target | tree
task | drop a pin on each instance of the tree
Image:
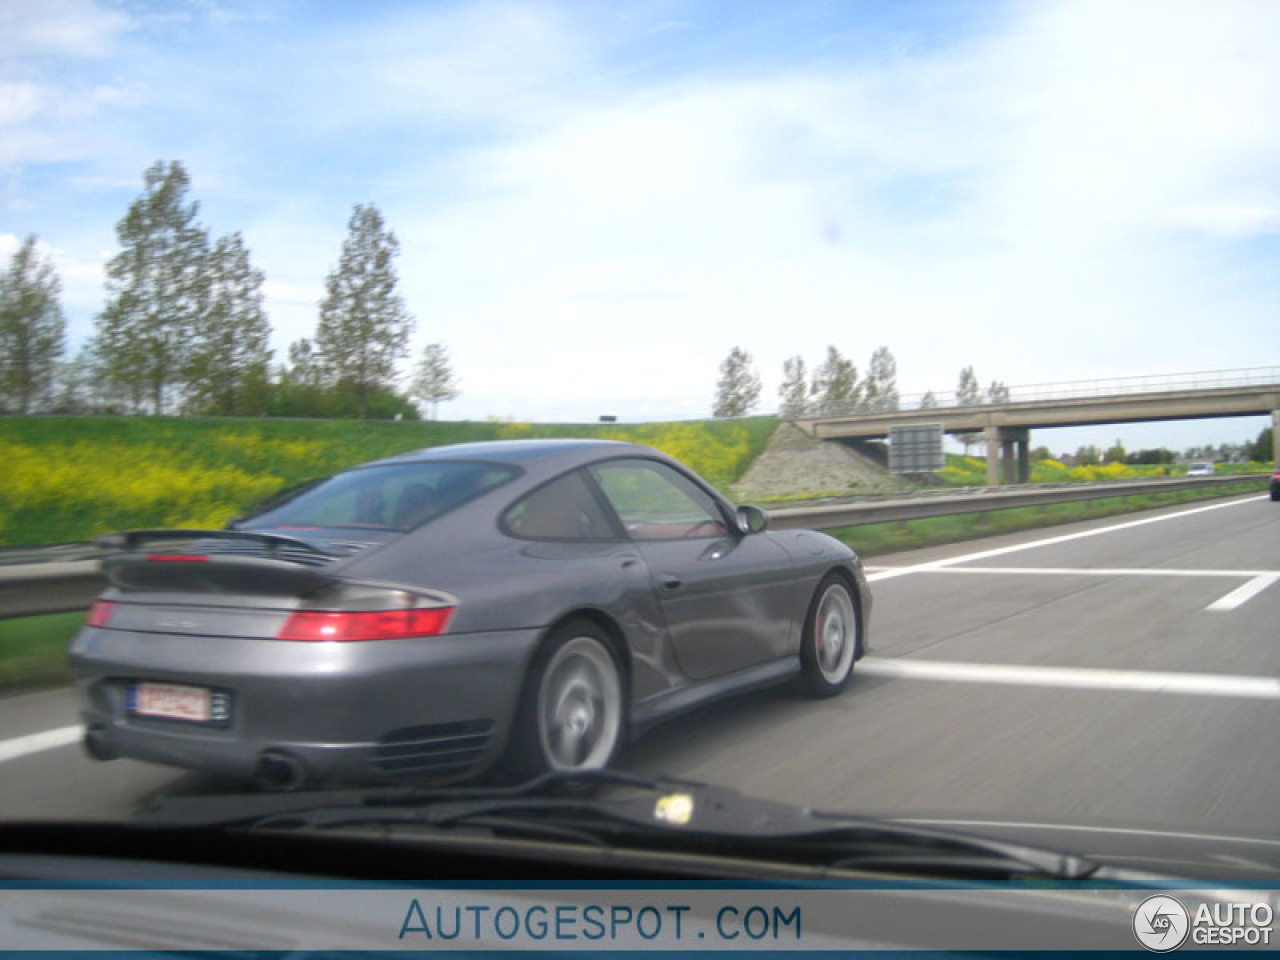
(881, 389)
(997, 392)
(1114, 453)
(157, 289)
(835, 389)
(32, 328)
(228, 352)
(364, 325)
(435, 381)
(1157, 455)
(1263, 449)
(928, 401)
(1088, 456)
(738, 389)
(795, 389)
(304, 364)
(968, 394)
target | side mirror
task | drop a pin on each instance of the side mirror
(752, 520)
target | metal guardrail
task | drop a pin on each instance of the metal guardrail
(58, 584)
(983, 500)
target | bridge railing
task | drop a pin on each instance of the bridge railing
(1112, 387)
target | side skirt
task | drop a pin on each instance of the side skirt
(670, 702)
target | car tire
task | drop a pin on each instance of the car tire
(1275, 493)
(831, 640)
(573, 715)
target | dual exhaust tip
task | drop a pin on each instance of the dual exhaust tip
(276, 770)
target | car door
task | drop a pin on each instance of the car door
(728, 599)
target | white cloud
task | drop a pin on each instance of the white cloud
(52, 28)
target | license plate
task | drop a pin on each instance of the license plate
(172, 701)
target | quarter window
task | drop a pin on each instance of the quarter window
(564, 509)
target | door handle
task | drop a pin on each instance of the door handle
(670, 581)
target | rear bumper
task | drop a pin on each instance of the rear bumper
(436, 708)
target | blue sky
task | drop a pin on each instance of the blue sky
(596, 201)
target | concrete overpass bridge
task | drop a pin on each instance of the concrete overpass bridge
(1006, 427)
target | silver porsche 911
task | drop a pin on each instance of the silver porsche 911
(521, 606)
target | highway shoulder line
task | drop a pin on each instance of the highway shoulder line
(886, 573)
(1091, 678)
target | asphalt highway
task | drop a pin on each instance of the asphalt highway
(1117, 672)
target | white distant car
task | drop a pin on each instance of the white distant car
(1202, 469)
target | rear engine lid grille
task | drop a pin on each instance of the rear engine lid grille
(291, 554)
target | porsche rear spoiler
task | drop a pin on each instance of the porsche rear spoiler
(287, 565)
(129, 540)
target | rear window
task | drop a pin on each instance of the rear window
(392, 497)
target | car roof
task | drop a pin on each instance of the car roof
(567, 449)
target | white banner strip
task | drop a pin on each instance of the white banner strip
(787, 920)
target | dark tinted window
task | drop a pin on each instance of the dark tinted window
(564, 509)
(392, 497)
(656, 502)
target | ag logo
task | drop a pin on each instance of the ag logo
(1161, 923)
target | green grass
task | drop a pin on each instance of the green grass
(33, 650)
(878, 538)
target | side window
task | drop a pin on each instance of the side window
(564, 509)
(657, 503)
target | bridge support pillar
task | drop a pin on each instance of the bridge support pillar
(1275, 439)
(991, 435)
(1008, 455)
(1007, 460)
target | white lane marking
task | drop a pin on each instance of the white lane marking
(36, 742)
(1243, 594)
(1201, 684)
(887, 573)
(1108, 572)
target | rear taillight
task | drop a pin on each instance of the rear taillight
(346, 626)
(177, 558)
(100, 614)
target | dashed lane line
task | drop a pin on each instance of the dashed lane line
(38, 742)
(1242, 594)
(1109, 572)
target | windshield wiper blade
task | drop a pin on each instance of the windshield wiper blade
(393, 803)
(650, 814)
